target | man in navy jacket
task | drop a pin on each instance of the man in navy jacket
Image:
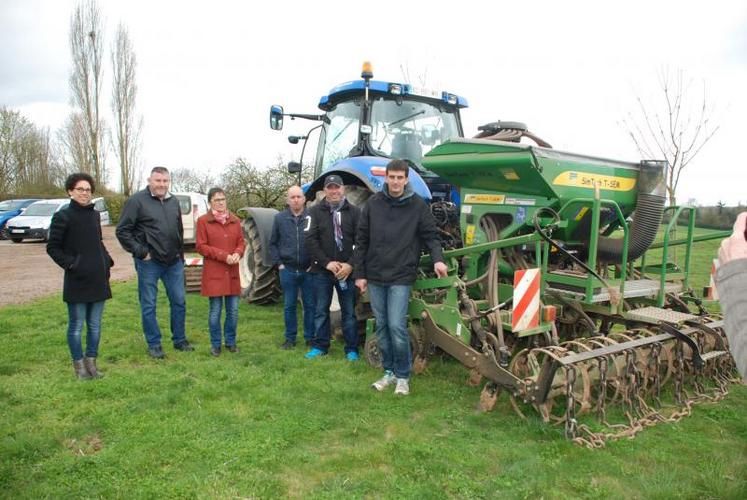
(288, 251)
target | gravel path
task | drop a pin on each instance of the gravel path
(29, 273)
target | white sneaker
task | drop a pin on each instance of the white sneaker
(384, 381)
(403, 387)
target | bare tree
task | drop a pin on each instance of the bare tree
(47, 173)
(73, 139)
(27, 159)
(674, 129)
(86, 47)
(422, 76)
(187, 179)
(127, 126)
(12, 125)
(247, 185)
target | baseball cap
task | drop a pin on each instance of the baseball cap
(333, 179)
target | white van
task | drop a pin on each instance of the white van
(192, 206)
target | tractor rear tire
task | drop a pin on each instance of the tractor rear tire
(260, 283)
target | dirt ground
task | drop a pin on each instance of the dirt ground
(29, 273)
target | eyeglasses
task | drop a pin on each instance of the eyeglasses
(83, 190)
(219, 200)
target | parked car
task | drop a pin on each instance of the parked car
(192, 205)
(33, 223)
(99, 204)
(10, 209)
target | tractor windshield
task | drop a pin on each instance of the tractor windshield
(400, 129)
(409, 129)
(339, 134)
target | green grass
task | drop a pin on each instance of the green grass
(267, 423)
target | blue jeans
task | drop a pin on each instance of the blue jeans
(148, 274)
(77, 313)
(389, 304)
(229, 326)
(292, 281)
(324, 283)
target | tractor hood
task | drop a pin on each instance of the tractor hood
(367, 171)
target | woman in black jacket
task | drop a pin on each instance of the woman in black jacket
(76, 245)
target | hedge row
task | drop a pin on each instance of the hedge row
(115, 202)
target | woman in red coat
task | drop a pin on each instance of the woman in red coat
(220, 241)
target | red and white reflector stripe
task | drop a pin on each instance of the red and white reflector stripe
(193, 262)
(712, 291)
(526, 299)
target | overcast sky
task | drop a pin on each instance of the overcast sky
(209, 71)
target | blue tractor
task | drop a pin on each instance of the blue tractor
(364, 124)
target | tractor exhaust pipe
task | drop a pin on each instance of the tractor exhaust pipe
(646, 218)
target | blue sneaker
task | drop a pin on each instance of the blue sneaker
(314, 353)
(352, 356)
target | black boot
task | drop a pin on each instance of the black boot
(80, 370)
(90, 364)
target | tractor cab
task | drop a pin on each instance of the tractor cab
(367, 122)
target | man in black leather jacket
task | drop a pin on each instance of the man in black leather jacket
(150, 228)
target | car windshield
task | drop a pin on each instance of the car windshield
(10, 205)
(41, 209)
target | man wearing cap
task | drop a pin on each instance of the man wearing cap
(329, 240)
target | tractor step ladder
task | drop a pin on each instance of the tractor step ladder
(656, 314)
(633, 288)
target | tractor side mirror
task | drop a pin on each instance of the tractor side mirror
(294, 167)
(276, 117)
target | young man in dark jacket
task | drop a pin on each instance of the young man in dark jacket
(329, 240)
(150, 228)
(288, 251)
(394, 226)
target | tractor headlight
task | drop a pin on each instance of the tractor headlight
(450, 98)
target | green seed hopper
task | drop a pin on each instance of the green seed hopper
(516, 180)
